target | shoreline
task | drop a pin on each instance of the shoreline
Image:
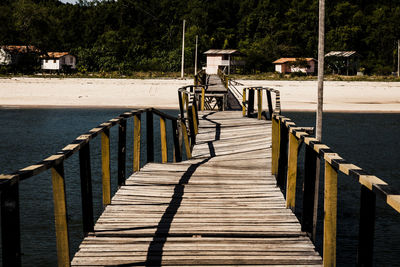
(128, 108)
(297, 96)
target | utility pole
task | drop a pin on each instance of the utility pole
(195, 57)
(183, 49)
(398, 58)
(321, 59)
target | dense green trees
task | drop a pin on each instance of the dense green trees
(130, 35)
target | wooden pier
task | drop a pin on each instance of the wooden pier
(221, 207)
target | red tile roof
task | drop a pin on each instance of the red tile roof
(291, 59)
(55, 54)
(20, 48)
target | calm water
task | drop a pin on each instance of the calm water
(30, 135)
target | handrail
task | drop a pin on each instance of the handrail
(286, 140)
(182, 126)
(248, 101)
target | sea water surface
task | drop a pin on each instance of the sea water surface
(30, 135)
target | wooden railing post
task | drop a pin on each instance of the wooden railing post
(177, 146)
(309, 189)
(292, 171)
(250, 103)
(60, 215)
(283, 155)
(122, 152)
(270, 109)
(150, 136)
(244, 102)
(275, 145)
(86, 189)
(136, 142)
(367, 227)
(10, 226)
(259, 103)
(181, 99)
(163, 136)
(203, 95)
(191, 120)
(330, 211)
(186, 140)
(105, 166)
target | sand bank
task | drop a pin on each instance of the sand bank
(160, 93)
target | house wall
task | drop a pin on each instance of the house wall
(51, 64)
(69, 60)
(213, 61)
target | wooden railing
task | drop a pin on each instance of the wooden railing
(286, 140)
(248, 101)
(183, 127)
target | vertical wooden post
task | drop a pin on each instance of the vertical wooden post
(10, 226)
(259, 103)
(310, 167)
(191, 120)
(330, 211)
(367, 227)
(105, 166)
(244, 103)
(275, 146)
(250, 104)
(181, 99)
(186, 140)
(60, 215)
(270, 109)
(122, 152)
(177, 147)
(136, 142)
(292, 171)
(150, 136)
(283, 155)
(86, 189)
(163, 135)
(195, 120)
(203, 95)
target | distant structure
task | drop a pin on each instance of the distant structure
(58, 61)
(343, 62)
(16, 54)
(291, 64)
(227, 60)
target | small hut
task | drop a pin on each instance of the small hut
(343, 62)
(291, 64)
(225, 59)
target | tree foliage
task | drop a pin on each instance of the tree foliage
(131, 35)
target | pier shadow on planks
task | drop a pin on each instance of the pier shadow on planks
(222, 207)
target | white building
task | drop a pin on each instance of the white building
(57, 60)
(290, 64)
(224, 59)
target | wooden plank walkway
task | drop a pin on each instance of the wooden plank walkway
(220, 208)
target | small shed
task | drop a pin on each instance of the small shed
(343, 62)
(15, 54)
(58, 61)
(225, 59)
(291, 64)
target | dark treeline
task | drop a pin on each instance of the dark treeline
(130, 35)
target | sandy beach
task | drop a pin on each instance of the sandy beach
(162, 93)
